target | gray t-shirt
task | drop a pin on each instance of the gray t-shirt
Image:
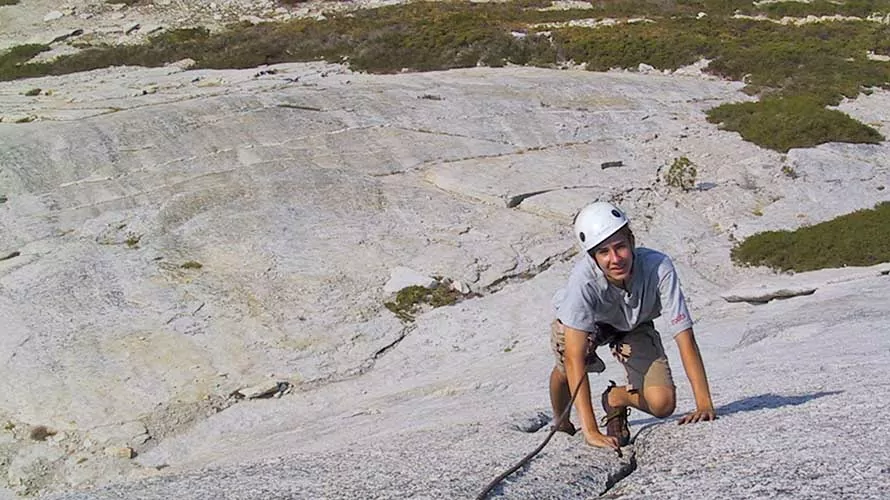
(588, 297)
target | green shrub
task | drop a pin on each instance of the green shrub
(681, 174)
(13, 62)
(8, 2)
(813, 65)
(793, 122)
(667, 44)
(824, 60)
(859, 8)
(788, 171)
(410, 300)
(133, 240)
(41, 432)
(861, 238)
(191, 264)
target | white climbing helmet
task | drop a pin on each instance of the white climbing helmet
(596, 222)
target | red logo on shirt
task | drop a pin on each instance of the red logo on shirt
(680, 317)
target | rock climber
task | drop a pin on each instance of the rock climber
(614, 292)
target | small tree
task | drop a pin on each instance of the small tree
(682, 174)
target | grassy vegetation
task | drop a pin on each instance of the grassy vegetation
(410, 300)
(824, 60)
(12, 62)
(41, 432)
(8, 2)
(681, 174)
(857, 8)
(788, 171)
(793, 122)
(861, 238)
(796, 70)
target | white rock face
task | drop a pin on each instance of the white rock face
(183, 64)
(461, 287)
(53, 15)
(401, 277)
(121, 435)
(299, 192)
(300, 189)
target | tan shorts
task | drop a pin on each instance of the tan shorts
(640, 351)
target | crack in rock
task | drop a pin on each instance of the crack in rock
(449, 134)
(531, 424)
(528, 274)
(626, 469)
(10, 255)
(761, 296)
(383, 350)
(516, 200)
(364, 367)
(300, 107)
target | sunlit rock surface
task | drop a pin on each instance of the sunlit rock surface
(300, 190)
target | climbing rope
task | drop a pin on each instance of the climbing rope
(525, 459)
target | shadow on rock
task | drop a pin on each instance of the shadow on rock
(767, 401)
(770, 401)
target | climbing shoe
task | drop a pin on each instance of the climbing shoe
(615, 420)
